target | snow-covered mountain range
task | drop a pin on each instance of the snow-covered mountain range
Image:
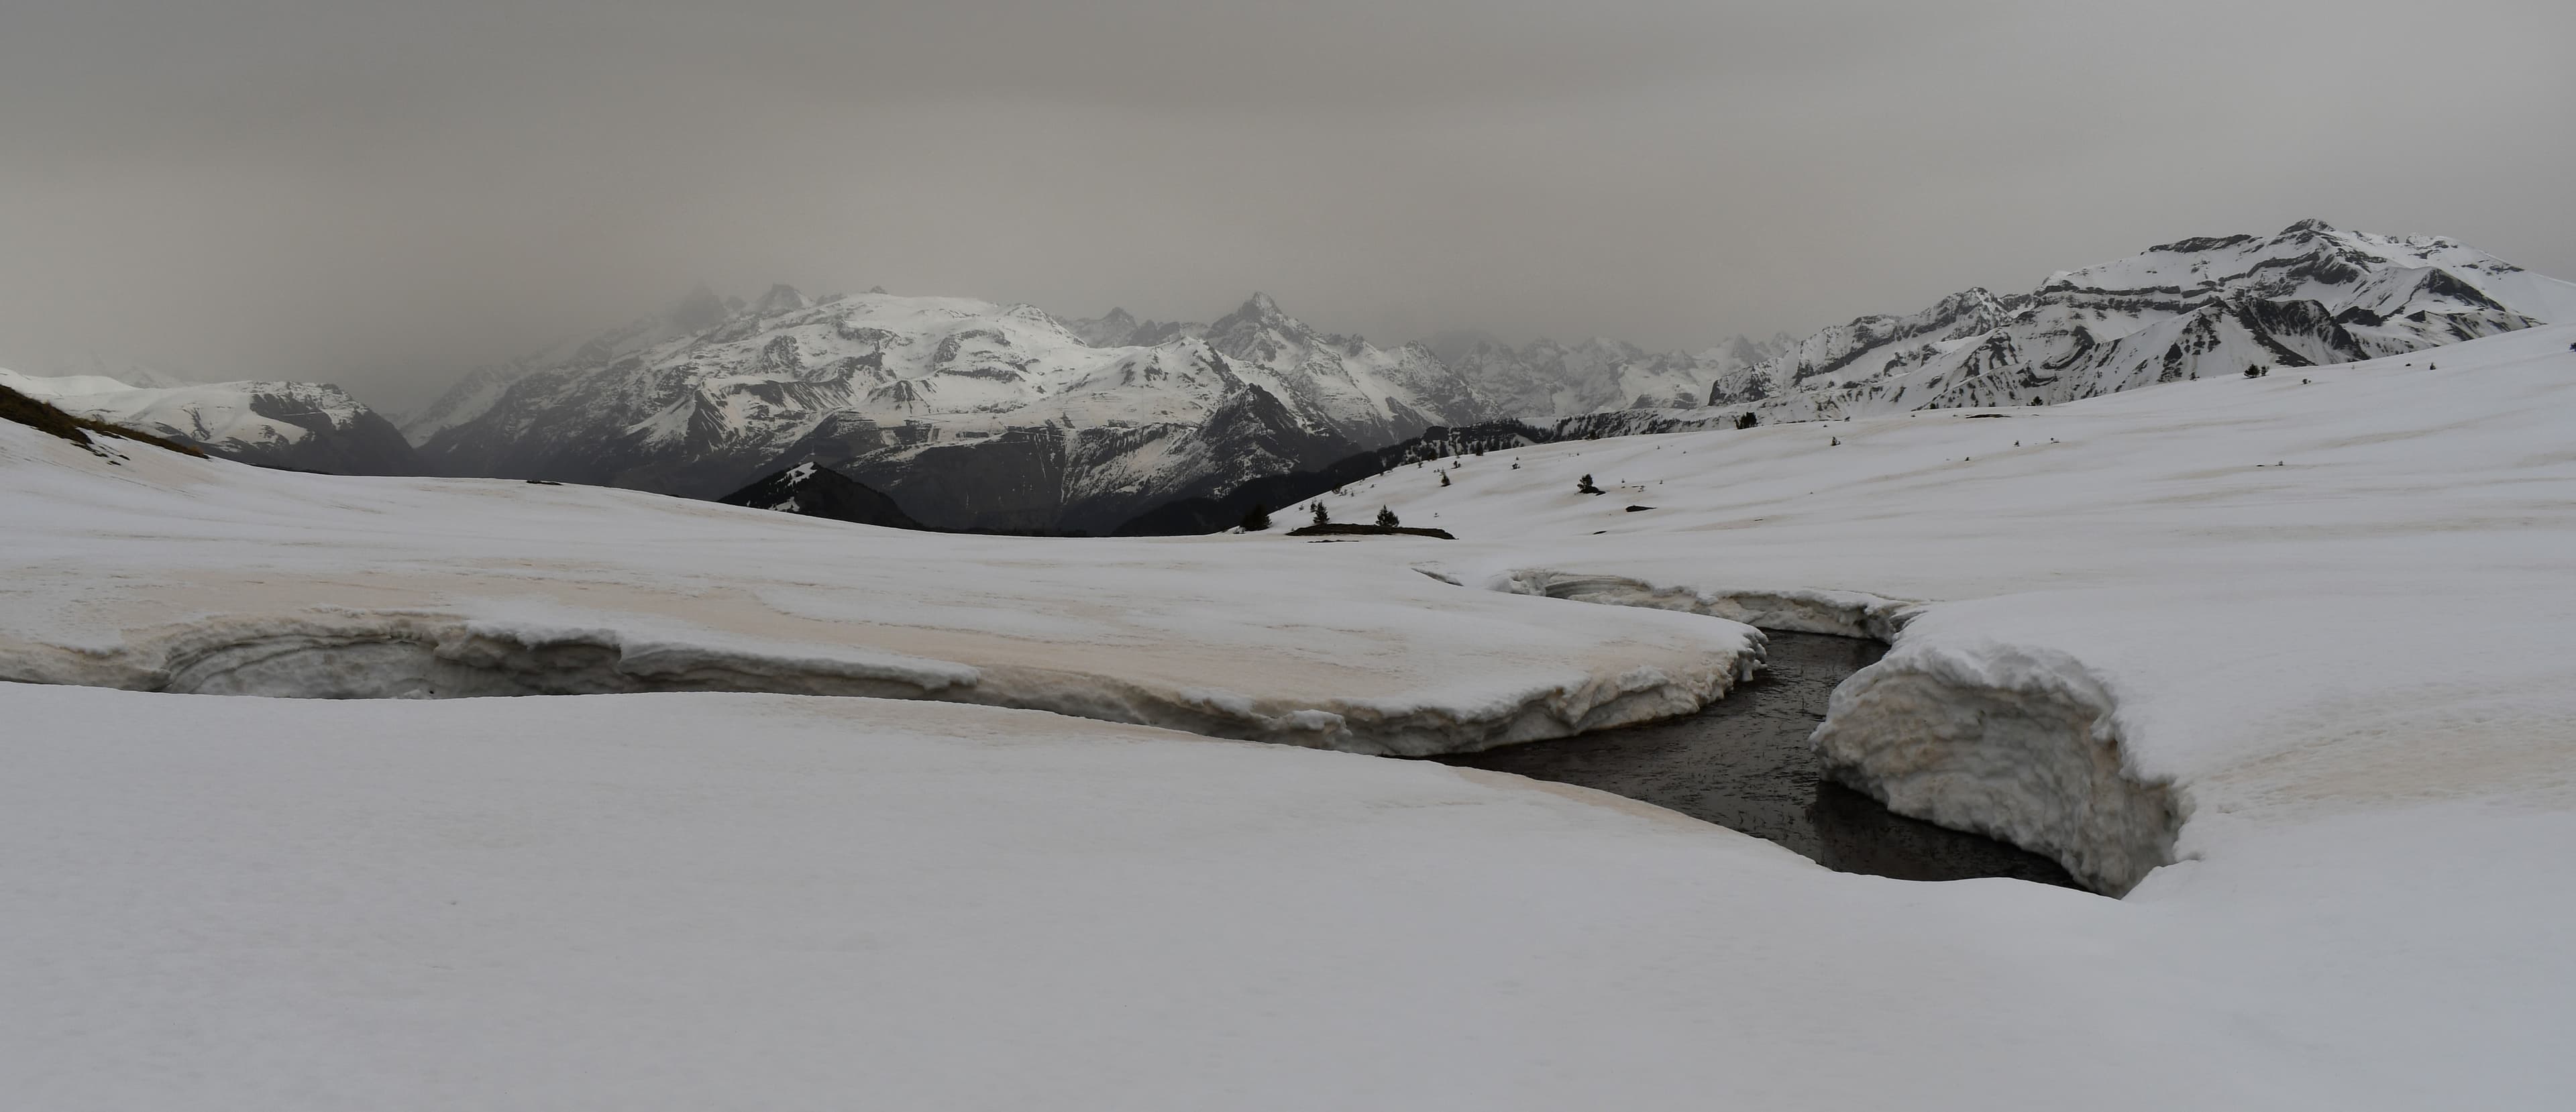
(971, 414)
(967, 413)
(301, 426)
(977, 415)
(2312, 294)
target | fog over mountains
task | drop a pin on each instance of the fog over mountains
(975, 415)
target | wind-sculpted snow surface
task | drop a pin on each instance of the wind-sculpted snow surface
(188, 575)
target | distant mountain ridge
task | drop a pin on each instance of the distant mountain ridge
(1544, 380)
(974, 415)
(2310, 294)
(970, 414)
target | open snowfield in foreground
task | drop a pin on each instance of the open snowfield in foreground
(693, 901)
(2339, 694)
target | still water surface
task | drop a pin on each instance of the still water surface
(1744, 763)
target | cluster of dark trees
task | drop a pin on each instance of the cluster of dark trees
(1235, 507)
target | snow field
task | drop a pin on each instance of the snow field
(2330, 619)
(696, 900)
(2262, 577)
(2326, 621)
(173, 574)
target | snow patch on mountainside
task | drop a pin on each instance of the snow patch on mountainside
(298, 425)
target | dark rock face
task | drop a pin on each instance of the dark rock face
(1051, 479)
(1013, 482)
(361, 443)
(817, 491)
(1215, 511)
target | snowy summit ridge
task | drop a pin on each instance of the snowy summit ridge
(976, 415)
(2310, 295)
(971, 414)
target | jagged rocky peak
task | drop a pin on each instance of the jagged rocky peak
(1119, 328)
(1262, 305)
(1258, 329)
(1748, 351)
(1110, 329)
(1259, 311)
(781, 298)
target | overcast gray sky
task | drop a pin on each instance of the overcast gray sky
(380, 193)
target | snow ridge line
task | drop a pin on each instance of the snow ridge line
(1841, 613)
(2015, 743)
(396, 655)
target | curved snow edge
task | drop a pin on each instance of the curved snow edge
(2010, 742)
(1841, 613)
(2016, 744)
(358, 655)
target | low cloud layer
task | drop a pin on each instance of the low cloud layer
(383, 193)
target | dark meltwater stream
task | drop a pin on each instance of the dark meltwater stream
(1744, 764)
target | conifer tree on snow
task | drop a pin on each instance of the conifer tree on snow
(1386, 518)
(1322, 516)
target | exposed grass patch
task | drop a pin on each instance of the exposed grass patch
(44, 417)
